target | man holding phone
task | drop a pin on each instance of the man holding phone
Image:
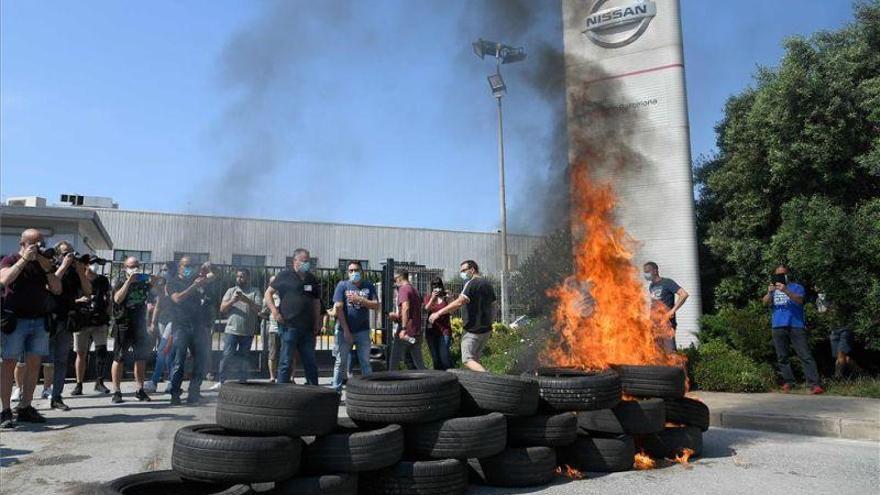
(789, 330)
(131, 293)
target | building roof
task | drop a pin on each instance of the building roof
(87, 219)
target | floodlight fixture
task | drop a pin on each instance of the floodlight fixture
(504, 54)
(496, 83)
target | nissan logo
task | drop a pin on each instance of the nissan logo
(620, 25)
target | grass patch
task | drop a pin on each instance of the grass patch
(862, 386)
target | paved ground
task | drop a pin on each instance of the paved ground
(97, 441)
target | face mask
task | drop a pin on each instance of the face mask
(131, 271)
(93, 268)
(306, 266)
(187, 271)
(355, 277)
(465, 276)
(648, 276)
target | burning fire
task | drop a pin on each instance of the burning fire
(569, 472)
(683, 456)
(601, 313)
(643, 461)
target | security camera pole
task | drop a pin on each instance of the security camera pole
(504, 54)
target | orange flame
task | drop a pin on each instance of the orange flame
(602, 313)
(628, 397)
(569, 472)
(683, 456)
(643, 461)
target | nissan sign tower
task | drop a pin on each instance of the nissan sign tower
(625, 57)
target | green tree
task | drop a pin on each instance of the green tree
(796, 179)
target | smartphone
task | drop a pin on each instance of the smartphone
(778, 278)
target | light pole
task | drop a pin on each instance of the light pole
(504, 54)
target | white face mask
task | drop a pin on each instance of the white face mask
(648, 276)
(93, 268)
(132, 271)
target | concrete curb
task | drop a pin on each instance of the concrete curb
(851, 429)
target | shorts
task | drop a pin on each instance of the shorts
(472, 345)
(135, 338)
(841, 341)
(81, 339)
(274, 345)
(29, 337)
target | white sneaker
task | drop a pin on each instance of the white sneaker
(47, 392)
(149, 387)
(16, 394)
(215, 387)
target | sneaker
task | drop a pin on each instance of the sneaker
(30, 415)
(77, 390)
(215, 387)
(100, 387)
(817, 390)
(117, 398)
(47, 393)
(175, 400)
(786, 388)
(16, 394)
(141, 395)
(6, 419)
(59, 404)
(149, 386)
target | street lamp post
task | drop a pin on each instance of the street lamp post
(504, 54)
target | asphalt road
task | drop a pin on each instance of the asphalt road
(97, 441)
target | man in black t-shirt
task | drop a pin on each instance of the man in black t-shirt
(94, 316)
(188, 327)
(298, 315)
(477, 298)
(664, 306)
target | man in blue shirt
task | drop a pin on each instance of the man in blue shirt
(353, 300)
(787, 299)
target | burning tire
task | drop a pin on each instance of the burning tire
(632, 417)
(446, 477)
(168, 482)
(402, 397)
(213, 454)
(488, 392)
(327, 484)
(568, 389)
(688, 412)
(529, 466)
(666, 382)
(672, 441)
(600, 454)
(353, 450)
(458, 438)
(277, 409)
(544, 430)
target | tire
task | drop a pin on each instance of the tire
(353, 450)
(213, 454)
(528, 466)
(672, 441)
(277, 409)
(488, 392)
(168, 482)
(688, 412)
(327, 484)
(402, 397)
(666, 382)
(555, 430)
(632, 417)
(458, 438)
(445, 477)
(568, 389)
(600, 454)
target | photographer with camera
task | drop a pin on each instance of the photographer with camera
(94, 317)
(72, 269)
(788, 329)
(131, 293)
(28, 279)
(241, 306)
(439, 333)
(408, 340)
(352, 301)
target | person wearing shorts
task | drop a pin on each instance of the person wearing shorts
(94, 311)
(131, 293)
(477, 298)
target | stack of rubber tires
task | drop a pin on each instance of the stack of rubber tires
(656, 418)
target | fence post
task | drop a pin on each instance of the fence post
(387, 305)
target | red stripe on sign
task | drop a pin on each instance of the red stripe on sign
(634, 73)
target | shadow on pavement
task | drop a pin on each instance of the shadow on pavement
(9, 457)
(67, 422)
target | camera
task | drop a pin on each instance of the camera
(45, 252)
(411, 340)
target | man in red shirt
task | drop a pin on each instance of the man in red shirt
(408, 338)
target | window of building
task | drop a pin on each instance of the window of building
(142, 256)
(248, 260)
(195, 258)
(288, 262)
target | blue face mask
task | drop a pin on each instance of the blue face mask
(465, 276)
(305, 267)
(355, 277)
(187, 271)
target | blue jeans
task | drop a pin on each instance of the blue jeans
(29, 337)
(235, 355)
(343, 356)
(61, 344)
(163, 361)
(303, 340)
(198, 342)
(439, 347)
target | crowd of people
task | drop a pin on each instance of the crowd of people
(55, 299)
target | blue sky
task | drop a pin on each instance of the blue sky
(370, 112)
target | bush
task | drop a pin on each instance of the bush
(719, 368)
(746, 330)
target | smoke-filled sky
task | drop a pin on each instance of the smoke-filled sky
(372, 112)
